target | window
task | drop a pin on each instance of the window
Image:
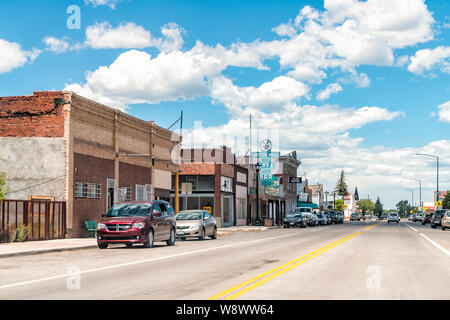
(170, 209)
(125, 194)
(87, 190)
(163, 209)
(140, 192)
(93, 191)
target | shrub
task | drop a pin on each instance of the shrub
(20, 233)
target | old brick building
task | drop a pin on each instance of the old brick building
(61, 146)
(210, 179)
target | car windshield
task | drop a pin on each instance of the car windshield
(439, 213)
(129, 210)
(448, 214)
(192, 215)
(303, 210)
(294, 215)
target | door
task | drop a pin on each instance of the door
(166, 221)
(209, 223)
(158, 223)
(227, 210)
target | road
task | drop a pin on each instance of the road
(356, 260)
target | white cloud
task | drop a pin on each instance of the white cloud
(128, 35)
(444, 112)
(427, 59)
(56, 45)
(96, 3)
(13, 56)
(328, 91)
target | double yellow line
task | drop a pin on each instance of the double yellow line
(251, 284)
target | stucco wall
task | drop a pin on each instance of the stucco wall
(33, 164)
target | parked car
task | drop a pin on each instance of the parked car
(295, 219)
(314, 220)
(307, 214)
(322, 219)
(446, 220)
(355, 216)
(427, 219)
(393, 217)
(327, 216)
(436, 218)
(196, 223)
(137, 222)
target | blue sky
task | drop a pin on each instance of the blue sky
(402, 94)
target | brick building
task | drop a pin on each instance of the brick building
(210, 179)
(61, 146)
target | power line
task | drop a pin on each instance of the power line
(36, 185)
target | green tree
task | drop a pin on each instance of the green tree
(341, 186)
(378, 211)
(340, 205)
(366, 205)
(404, 208)
(446, 201)
(3, 187)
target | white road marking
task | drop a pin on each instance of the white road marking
(411, 227)
(143, 261)
(436, 245)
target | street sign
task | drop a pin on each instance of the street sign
(295, 179)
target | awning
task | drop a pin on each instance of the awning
(307, 205)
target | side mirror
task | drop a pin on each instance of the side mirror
(156, 214)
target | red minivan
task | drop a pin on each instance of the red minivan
(137, 222)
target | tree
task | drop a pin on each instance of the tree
(3, 188)
(446, 201)
(341, 186)
(404, 208)
(340, 205)
(366, 205)
(378, 211)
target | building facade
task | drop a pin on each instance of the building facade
(61, 146)
(211, 179)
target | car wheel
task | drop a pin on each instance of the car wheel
(171, 240)
(443, 228)
(202, 235)
(150, 240)
(129, 245)
(102, 245)
(214, 235)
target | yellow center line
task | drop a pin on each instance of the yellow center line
(281, 269)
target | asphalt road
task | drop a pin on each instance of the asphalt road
(356, 260)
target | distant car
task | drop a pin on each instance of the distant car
(295, 219)
(393, 217)
(418, 217)
(137, 222)
(355, 216)
(436, 218)
(445, 223)
(314, 220)
(196, 223)
(333, 216)
(327, 216)
(322, 219)
(307, 214)
(411, 217)
(427, 219)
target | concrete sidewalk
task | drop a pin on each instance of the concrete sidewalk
(39, 247)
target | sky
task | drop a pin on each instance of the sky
(359, 86)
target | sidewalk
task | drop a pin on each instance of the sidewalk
(38, 247)
(247, 228)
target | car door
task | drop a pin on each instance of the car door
(157, 222)
(209, 223)
(166, 221)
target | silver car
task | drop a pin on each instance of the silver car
(195, 223)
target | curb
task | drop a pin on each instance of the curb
(42, 251)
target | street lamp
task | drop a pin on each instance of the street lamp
(437, 168)
(334, 200)
(258, 167)
(420, 191)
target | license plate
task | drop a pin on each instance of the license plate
(292, 223)
(180, 232)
